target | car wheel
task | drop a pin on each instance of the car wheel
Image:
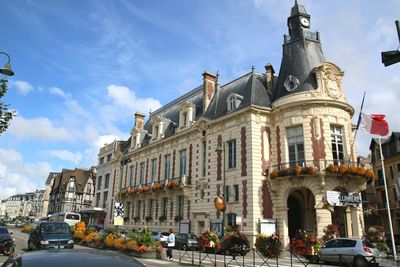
(9, 250)
(360, 262)
(184, 247)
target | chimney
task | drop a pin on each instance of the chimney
(209, 84)
(269, 77)
(139, 120)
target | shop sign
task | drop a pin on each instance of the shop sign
(337, 198)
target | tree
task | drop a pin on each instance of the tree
(5, 114)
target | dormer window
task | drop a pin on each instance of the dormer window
(155, 136)
(158, 127)
(186, 114)
(234, 101)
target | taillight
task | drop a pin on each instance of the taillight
(367, 250)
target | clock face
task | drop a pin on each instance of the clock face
(305, 22)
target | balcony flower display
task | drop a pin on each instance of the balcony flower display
(376, 234)
(161, 218)
(235, 243)
(123, 192)
(157, 186)
(148, 218)
(144, 189)
(352, 170)
(208, 239)
(297, 170)
(270, 246)
(305, 244)
(172, 184)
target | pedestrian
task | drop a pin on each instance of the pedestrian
(170, 244)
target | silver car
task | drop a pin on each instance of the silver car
(160, 236)
(360, 252)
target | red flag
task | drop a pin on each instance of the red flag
(375, 124)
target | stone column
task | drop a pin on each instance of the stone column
(349, 223)
(282, 224)
(358, 221)
(324, 218)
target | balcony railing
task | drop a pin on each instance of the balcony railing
(310, 167)
(178, 182)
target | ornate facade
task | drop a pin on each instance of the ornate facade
(279, 135)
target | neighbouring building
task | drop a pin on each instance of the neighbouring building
(72, 190)
(391, 156)
(48, 185)
(105, 181)
(37, 203)
(283, 142)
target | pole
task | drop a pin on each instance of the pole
(223, 194)
(387, 201)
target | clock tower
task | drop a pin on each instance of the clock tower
(302, 53)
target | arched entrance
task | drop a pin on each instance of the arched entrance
(301, 211)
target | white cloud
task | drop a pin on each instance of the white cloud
(23, 87)
(122, 96)
(38, 128)
(67, 155)
(58, 91)
(19, 177)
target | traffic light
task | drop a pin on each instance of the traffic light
(390, 57)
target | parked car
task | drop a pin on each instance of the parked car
(7, 245)
(19, 224)
(67, 258)
(351, 250)
(51, 235)
(187, 242)
(160, 236)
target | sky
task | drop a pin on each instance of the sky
(83, 68)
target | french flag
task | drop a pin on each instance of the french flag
(374, 124)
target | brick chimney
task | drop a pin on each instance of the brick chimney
(209, 84)
(139, 120)
(269, 77)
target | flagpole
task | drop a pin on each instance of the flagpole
(387, 201)
(358, 125)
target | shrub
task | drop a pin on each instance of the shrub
(376, 234)
(236, 243)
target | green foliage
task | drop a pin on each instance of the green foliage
(236, 243)
(5, 114)
(141, 238)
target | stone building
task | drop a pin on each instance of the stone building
(72, 190)
(276, 137)
(391, 155)
(47, 189)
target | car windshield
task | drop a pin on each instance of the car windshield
(3, 231)
(58, 228)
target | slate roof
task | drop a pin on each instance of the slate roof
(62, 179)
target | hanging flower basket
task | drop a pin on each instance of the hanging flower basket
(235, 244)
(208, 239)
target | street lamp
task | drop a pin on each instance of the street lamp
(392, 57)
(221, 148)
(6, 70)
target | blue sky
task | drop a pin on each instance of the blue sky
(83, 68)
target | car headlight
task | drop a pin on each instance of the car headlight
(44, 242)
(70, 241)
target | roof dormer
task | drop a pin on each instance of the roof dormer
(233, 102)
(159, 125)
(187, 114)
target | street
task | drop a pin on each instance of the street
(21, 240)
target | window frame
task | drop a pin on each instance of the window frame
(232, 159)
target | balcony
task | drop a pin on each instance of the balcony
(312, 167)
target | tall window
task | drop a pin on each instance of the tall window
(131, 177)
(295, 141)
(128, 210)
(227, 193)
(204, 157)
(109, 157)
(180, 206)
(167, 169)
(151, 204)
(101, 160)
(142, 173)
(164, 207)
(337, 144)
(98, 199)
(139, 209)
(236, 189)
(184, 118)
(153, 169)
(232, 103)
(99, 181)
(182, 162)
(107, 181)
(232, 154)
(105, 198)
(155, 132)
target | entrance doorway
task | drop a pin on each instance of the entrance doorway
(301, 211)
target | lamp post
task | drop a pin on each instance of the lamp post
(221, 148)
(6, 70)
(392, 57)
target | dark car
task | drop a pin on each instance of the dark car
(187, 242)
(5, 235)
(68, 258)
(51, 235)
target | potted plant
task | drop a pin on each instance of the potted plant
(177, 218)
(161, 218)
(136, 218)
(148, 218)
(236, 243)
(208, 240)
(270, 246)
